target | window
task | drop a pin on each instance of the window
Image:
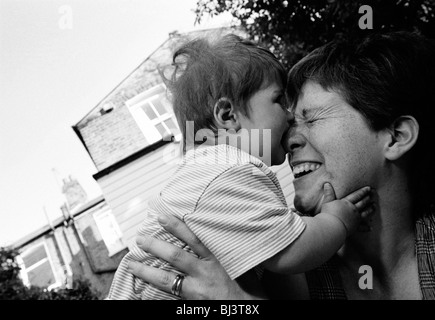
(110, 232)
(37, 267)
(154, 115)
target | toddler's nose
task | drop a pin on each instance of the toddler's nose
(290, 116)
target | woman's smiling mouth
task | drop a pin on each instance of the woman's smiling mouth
(304, 168)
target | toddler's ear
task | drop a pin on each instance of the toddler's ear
(225, 114)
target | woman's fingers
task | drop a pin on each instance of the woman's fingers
(180, 230)
(205, 278)
(176, 256)
(157, 277)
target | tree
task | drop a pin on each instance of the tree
(10, 283)
(291, 29)
(12, 288)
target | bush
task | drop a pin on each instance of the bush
(12, 287)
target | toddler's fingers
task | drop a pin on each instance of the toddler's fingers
(328, 193)
(363, 204)
(367, 213)
(358, 195)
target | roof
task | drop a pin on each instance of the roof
(56, 223)
(145, 76)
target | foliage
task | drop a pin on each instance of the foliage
(12, 288)
(81, 291)
(295, 27)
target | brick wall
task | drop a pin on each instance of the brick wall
(112, 137)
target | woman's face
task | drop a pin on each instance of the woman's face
(330, 142)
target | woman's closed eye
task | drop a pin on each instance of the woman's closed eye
(301, 120)
(311, 120)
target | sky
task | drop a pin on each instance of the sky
(58, 59)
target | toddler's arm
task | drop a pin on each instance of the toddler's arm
(324, 234)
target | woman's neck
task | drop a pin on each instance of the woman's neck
(392, 231)
(388, 249)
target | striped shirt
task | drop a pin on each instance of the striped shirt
(325, 282)
(232, 202)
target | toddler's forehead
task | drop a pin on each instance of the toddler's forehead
(275, 84)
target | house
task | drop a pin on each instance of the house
(85, 243)
(132, 138)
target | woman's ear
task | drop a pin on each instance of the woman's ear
(225, 114)
(403, 135)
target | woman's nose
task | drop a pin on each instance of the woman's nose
(295, 140)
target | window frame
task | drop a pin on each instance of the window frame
(98, 217)
(24, 270)
(136, 107)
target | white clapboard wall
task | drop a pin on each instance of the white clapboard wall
(128, 188)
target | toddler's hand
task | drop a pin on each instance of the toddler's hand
(353, 210)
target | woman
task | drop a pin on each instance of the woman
(362, 110)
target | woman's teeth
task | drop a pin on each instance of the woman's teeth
(304, 168)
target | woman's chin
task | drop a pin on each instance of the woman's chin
(307, 205)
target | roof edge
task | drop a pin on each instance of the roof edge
(56, 223)
(133, 157)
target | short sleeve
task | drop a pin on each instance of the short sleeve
(242, 219)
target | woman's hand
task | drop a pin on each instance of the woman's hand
(205, 278)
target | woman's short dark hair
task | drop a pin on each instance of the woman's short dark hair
(212, 67)
(383, 76)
